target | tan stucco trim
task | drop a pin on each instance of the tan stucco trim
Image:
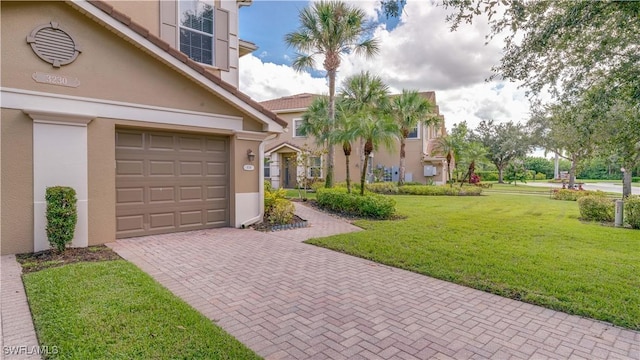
(102, 181)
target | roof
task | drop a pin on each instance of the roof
(301, 102)
(283, 145)
(213, 79)
(293, 102)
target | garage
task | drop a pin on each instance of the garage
(169, 182)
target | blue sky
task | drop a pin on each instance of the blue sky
(417, 52)
(257, 24)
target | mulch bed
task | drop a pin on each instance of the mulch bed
(266, 226)
(52, 258)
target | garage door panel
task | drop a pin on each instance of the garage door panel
(130, 223)
(133, 196)
(130, 167)
(162, 194)
(161, 168)
(191, 144)
(161, 142)
(130, 140)
(168, 182)
(193, 193)
(191, 168)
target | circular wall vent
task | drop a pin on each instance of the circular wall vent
(53, 45)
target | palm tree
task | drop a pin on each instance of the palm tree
(475, 151)
(366, 100)
(330, 28)
(315, 122)
(447, 145)
(408, 110)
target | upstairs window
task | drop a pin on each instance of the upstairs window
(196, 30)
(297, 130)
(414, 133)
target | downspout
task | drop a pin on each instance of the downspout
(260, 215)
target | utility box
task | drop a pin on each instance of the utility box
(619, 208)
(429, 170)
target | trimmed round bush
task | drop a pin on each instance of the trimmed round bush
(596, 208)
(632, 211)
(369, 205)
(573, 195)
(62, 215)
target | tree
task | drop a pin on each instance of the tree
(504, 142)
(409, 110)
(539, 165)
(447, 145)
(366, 100)
(330, 29)
(475, 151)
(564, 45)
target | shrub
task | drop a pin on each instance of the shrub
(440, 190)
(271, 196)
(573, 195)
(632, 211)
(62, 215)
(383, 188)
(488, 175)
(369, 205)
(541, 176)
(596, 208)
(635, 179)
(281, 212)
(317, 185)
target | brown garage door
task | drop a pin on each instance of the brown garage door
(169, 182)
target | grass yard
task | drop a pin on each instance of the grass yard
(112, 310)
(529, 248)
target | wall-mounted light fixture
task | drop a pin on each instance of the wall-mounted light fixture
(251, 155)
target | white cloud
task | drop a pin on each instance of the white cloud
(264, 81)
(420, 53)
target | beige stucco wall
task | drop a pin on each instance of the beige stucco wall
(16, 130)
(102, 181)
(145, 13)
(382, 156)
(108, 67)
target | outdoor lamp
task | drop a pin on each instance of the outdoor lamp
(250, 155)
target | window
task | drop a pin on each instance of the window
(297, 130)
(196, 30)
(414, 133)
(315, 167)
(267, 167)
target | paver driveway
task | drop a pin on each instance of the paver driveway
(285, 299)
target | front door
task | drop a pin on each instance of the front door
(289, 171)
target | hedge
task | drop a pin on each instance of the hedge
(368, 205)
(632, 211)
(596, 208)
(440, 190)
(573, 195)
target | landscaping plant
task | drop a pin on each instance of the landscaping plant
(61, 215)
(596, 208)
(632, 211)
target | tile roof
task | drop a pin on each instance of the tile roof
(298, 101)
(302, 101)
(145, 33)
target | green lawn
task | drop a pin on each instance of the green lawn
(529, 248)
(112, 310)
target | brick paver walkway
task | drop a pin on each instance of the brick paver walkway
(288, 300)
(17, 335)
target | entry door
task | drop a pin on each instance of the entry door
(289, 171)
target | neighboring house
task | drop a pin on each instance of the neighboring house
(423, 164)
(97, 96)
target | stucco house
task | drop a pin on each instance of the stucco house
(423, 164)
(136, 106)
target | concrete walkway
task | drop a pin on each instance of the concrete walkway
(288, 300)
(17, 335)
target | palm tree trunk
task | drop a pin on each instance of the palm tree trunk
(403, 155)
(364, 173)
(348, 174)
(332, 118)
